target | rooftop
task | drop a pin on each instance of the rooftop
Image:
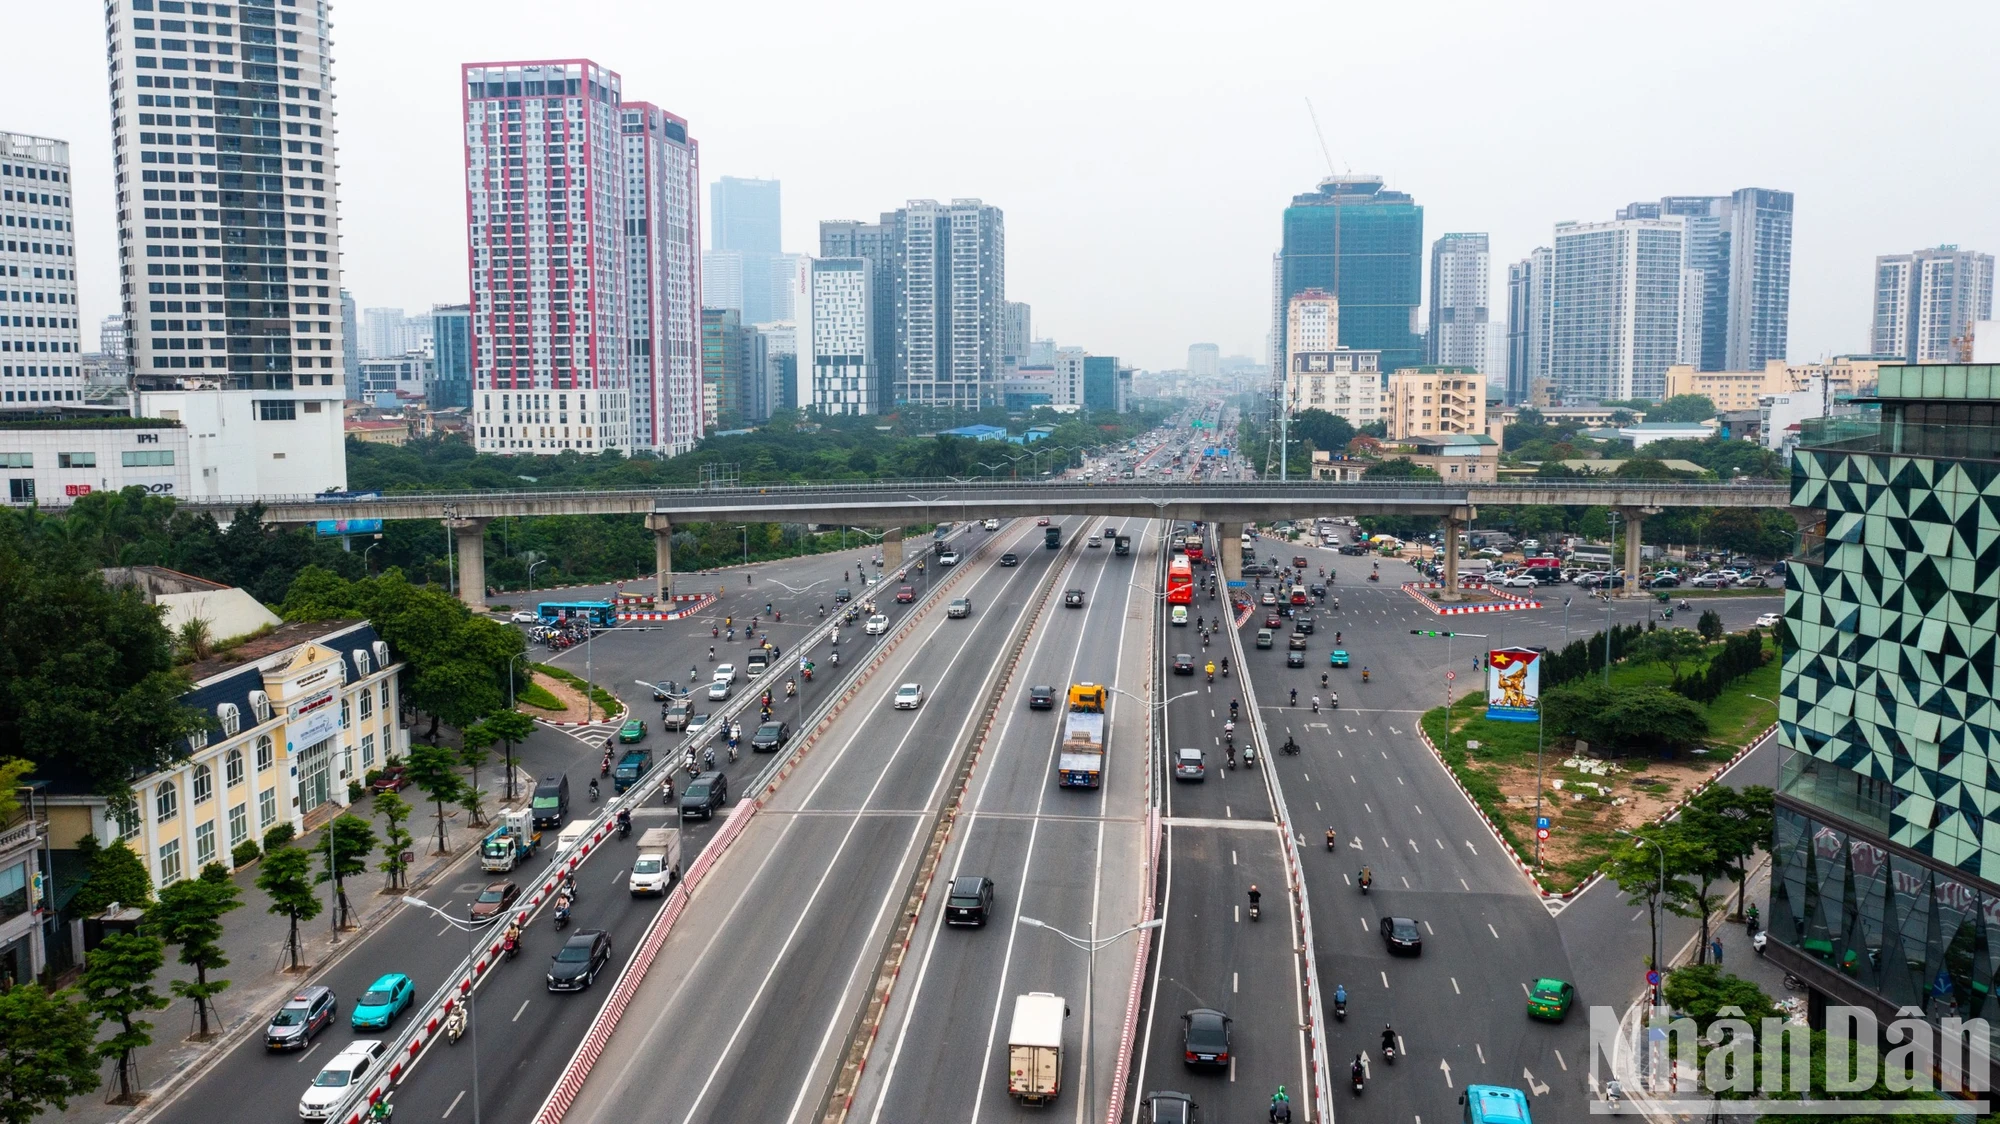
(279, 639)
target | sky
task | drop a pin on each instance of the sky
(1143, 154)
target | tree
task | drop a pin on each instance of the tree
(1710, 625)
(344, 853)
(1704, 991)
(396, 838)
(477, 739)
(1402, 468)
(1736, 823)
(118, 984)
(431, 769)
(1646, 468)
(287, 878)
(1859, 1057)
(189, 916)
(11, 772)
(1683, 408)
(114, 874)
(1637, 870)
(1673, 647)
(510, 726)
(47, 1052)
(1329, 432)
(1693, 857)
(1621, 718)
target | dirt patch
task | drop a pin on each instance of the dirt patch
(1587, 800)
(572, 701)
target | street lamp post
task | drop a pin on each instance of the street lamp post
(1089, 946)
(365, 553)
(468, 929)
(531, 572)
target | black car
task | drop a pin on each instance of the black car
(1008, 559)
(1316, 589)
(1400, 934)
(1295, 658)
(309, 1011)
(1303, 622)
(770, 737)
(578, 961)
(1354, 549)
(704, 795)
(1073, 599)
(1041, 698)
(1205, 1038)
(1183, 664)
(971, 899)
(1168, 1107)
(842, 596)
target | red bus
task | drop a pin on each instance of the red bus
(1180, 582)
(1192, 545)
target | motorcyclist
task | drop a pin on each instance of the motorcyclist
(593, 790)
(1232, 710)
(1339, 990)
(1323, 680)
(1229, 730)
(1315, 704)
(1225, 665)
(1388, 1040)
(1364, 673)
(1367, 878)
(1332, 837)
(791, 687)
(1357, 1071)
(1295, 696)
(625, 819)
(1211, 671)
(1281, 1105)
(1256, 895)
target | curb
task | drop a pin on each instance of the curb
(1514, 604)
(695, 604)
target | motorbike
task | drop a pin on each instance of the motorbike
(454, 1024)
(1256, 910)
(1333, 701)
(511, 945)
(1249, 757)
(624, 828)
(1389, 1052)
(593, 792)
(604, 767)
(1372, 578)
(1340, 1009)
(562, 918)
(1757, 942)
(1355, 1076)
(1365, 883)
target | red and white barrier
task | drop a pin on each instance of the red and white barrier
(1508, 604)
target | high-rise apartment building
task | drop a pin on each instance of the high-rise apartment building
(1364, 244)
(384, 332)
(545, 208)
(350, 343)
(725, 367)
(746, 215)
(41, 334)
(450, 384)
(1204, 360)
(1741, 244)
(1927, 302)
(1323, 375)
(1068, 368)
(229, 236)
(773, 369)
(837, 356)
(1616, 308)
(878, 244)
(1461, 286)
(662, 279)
(1313, 322)
(1019, 328)
(950, 299)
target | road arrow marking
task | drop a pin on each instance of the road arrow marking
(1470, 847)
(1534, 1087)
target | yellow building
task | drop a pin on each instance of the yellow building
(1846, 375)
(1435, 402)
(1729, 390)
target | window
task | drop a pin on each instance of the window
(76, 460)
(267, 808)
(265, 757)
(198, 739)
(367, 750)
(203, 786)
(13, 890)
(17, 460)
(170, 862)
(383, 691)
(166, 802)
(260, 705)
(239, 824)
(277, 409)
(344, 709)
(232, 774)
(361, 662)
(204, 844)
(367, 704)
(146, 458)
(20, 490)
(230, 717)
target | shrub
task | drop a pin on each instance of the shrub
(279, 835)
(244, 853)
(353, 790)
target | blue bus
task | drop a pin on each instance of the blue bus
(598, 613)
(1494, 1104)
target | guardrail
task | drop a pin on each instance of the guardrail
(1308, 960)
(460, 984)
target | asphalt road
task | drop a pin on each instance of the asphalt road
(1222, 836)
(743, 1014)
(1064, 856)
(1459, 1009)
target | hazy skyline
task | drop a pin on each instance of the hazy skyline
(1143, 167)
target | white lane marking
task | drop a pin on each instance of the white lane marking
(1364, 923)
(1428, 929)
(1492, 930)
(1227, 814)
(1525, 991)
(1370, 807)
(308, 1053)
(1418, 807)
(1481, 1051)
(1384, 838)
(1307, 776)
(1560, 1061)
(1454, 986)
(446, 929)
(1439, 842)
(1234, 983)
(1461, 882)
(1232, 856)
(517, 1014)
(452, 1105)
(1414, 847)
(1385, 981)
(1638, 915)
(1406, 882)
(1316, 807)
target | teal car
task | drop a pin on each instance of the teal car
(383, 1001)
(1551, 999)
(634, 730)
(1337, 658)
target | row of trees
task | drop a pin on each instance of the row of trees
(1741, 654)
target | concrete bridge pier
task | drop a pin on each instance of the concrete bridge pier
(663, 555)
(1635, 519)
(1230, 548)
(892, 548)
(470, 534)
(1456, 520)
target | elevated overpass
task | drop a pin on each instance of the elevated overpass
(894, 504)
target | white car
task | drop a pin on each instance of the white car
(725, 672)
(948, 558)
(718, 691)
(1712, 581)
(353, 1064)
(525, 617)
(877, 625)
(909, 696)
(991, 524)
(1093, 541)
(1514, 581)
(1768, 620)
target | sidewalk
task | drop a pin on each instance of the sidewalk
(254, 940)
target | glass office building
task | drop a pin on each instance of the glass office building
(1365, 245)
(1886, 854)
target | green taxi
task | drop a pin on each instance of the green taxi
(1550, 999)
(1337, 658)
(632, 731)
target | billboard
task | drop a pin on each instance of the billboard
(349, 526)
(1513, 684)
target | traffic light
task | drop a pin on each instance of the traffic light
(1427, 632)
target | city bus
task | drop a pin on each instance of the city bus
(1180, 586)
(599, 613)
(1192, 545)
(1494, 1104)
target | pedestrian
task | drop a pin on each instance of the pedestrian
(1715, 950)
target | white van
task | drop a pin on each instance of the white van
(571, 834)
